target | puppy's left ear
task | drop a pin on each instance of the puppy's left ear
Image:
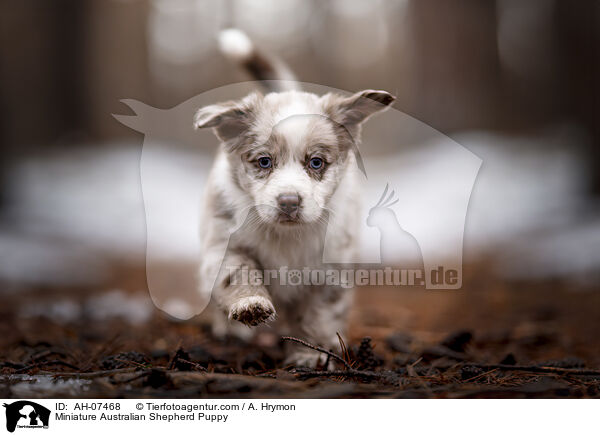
(353, 110)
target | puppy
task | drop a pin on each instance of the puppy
(287, 170)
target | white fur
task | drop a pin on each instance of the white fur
(235, 44)
(284, 247)
(241, 224)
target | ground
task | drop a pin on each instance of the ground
(493, 338)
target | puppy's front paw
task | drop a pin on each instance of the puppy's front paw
(252, 310)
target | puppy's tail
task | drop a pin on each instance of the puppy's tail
(275, 75)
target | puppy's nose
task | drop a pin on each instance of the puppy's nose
(289, 204)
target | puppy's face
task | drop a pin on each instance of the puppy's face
(288, 151)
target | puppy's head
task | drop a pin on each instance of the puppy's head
(288, 151)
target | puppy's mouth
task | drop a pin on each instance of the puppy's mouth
(276, 216)
(288, 220)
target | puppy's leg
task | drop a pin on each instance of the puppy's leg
(240, 292)
(318, 321)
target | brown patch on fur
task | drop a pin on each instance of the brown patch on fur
(275, 147)
(220, 207)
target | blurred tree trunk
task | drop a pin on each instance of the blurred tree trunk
(456, 72)
(580, 47)
(116, 63)
(40, 75)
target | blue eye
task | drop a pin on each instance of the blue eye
(265, 162)
(316, 163)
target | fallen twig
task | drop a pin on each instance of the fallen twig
(480, 375)
(134, 378)
(350, 373)
(46, 353)
(91, 375)
(47, 363)
(319, 349)
(536, 369)
(195, 365)
(343, 348)
(137, 364)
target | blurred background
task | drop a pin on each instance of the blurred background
(516, 82)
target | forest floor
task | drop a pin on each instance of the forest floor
(492, 338)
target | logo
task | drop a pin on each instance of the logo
(26, 415)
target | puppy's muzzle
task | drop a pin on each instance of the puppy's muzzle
(289, 205)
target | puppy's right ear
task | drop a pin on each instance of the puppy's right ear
(229, 120)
